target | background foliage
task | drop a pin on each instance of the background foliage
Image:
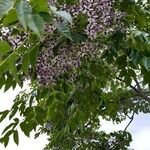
(76, 75)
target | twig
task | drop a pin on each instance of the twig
(132, 87)
(137, 84)
(138, 91)
(131, 119)
(129, 116)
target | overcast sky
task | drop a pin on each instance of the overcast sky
(140, 128)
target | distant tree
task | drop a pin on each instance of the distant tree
(85, 60)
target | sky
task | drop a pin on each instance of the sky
(139, 128)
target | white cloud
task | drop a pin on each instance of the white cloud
(141, 139)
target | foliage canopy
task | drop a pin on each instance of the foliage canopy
(84, 60)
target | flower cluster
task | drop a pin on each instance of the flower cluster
(50, 66)
(100, 18)
(15, 40)
(100, 13)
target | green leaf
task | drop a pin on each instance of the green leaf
(33, 56)
(146, 62)
(8, 127)
(33, 21)
(16, 120)
(14, 111)
(23, 11)
(26, 127)
(16, 104)
(132, 73)
(6, 137)
(8, 82)
(16, 137)
(39, 5)
(2, 79)
(50, 113)
(10, 18)
(46, 17)
(23, 127)
(22, 108)
(128, 80)
(6, 6)
(3, 67)
(64, 15)
(36, 23)
(22, 49)
(121, 61)
(8, 133)
(40, 115)
(5, 141)
(13, 68)
(4, 115)
(65, 87)
(25, 63)
(64, 30)
(4, 47)
(33, 38)
(78, 38)
(37, 135)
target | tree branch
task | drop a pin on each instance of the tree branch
(131, 119)
(137, 84)
(137, 90)
(132, 87)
